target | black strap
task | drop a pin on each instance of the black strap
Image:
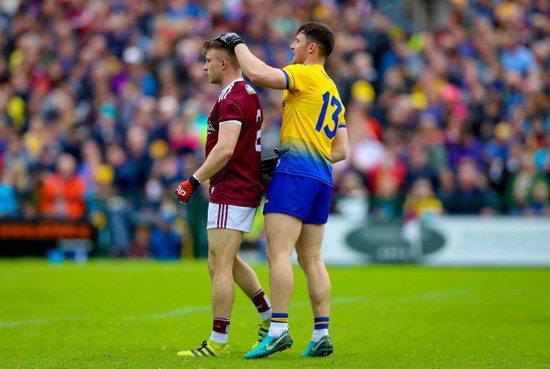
(209, 351)
(199, 349)
(194, 182)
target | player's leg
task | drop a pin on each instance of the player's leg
(245, 277)
(248, 282)
(223, 245)
(242, 218)
(288, 202)
(282, 231)
(308, 249)
(227, 224)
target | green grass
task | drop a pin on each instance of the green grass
(122, 314)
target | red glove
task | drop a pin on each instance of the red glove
(186, 189)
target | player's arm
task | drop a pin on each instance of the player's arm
(339, 149)
(256, 70)
(217, 159)
(221, 152)
(259, 72)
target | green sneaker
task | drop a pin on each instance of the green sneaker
(322, 348)
(207, 348)
(263, 328)
(269, 345)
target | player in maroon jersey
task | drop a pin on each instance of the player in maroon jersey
(233, 165)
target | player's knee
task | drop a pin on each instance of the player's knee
(300, 262)
(278, 257)
(309, 261)
(211, 266)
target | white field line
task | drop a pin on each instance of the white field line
(430, 296)
(16, 323)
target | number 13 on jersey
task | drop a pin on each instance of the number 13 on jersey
(320, 122)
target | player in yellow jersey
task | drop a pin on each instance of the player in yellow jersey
(313, 137)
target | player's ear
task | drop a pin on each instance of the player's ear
(224, 63)
(312, 47)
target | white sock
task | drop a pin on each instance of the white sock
(276, 329)
(318, 334)
(219, 337)
(265, 315)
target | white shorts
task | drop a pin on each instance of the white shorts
(230, 217)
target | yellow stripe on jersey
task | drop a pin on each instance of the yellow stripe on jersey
(312, 113)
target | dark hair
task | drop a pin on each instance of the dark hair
(320, 34)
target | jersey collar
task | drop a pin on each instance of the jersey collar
(231, 84)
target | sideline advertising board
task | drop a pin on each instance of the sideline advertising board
(36, 237)
(447, 240)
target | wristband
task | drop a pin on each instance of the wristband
(194, 182)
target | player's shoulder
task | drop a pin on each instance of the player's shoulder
(238, 91)
(243, 88)
(243, 95)
(296, 68)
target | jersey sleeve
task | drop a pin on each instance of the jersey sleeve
(297, 77)
(341, 119)
(231, 112)
(341, 116)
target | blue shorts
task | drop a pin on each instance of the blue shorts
(302, 197)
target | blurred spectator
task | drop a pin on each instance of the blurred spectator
(166, 242)
(421, 207)
(473, 195)
(140, 246)
(135, 164)
(351, 200)
(528, 190)
(384, 183)
(514, 55)
(418, 166)
(8, 201)
(63, 192)
(120, 222)
(421, 202)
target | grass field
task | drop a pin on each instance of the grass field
(126, 314)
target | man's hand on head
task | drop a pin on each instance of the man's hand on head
(231, 39)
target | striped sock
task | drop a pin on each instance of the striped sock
(220, 330)
(321, 328)
(279, 324)
(262, 303)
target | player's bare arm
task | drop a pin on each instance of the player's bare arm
(221, 152)
(259, 72)
(218, 158)
(339, 149)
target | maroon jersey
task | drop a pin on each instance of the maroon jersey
(239, 182)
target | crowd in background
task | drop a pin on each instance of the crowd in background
(103, 109)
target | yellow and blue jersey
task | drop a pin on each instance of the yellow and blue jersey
(312, 113)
